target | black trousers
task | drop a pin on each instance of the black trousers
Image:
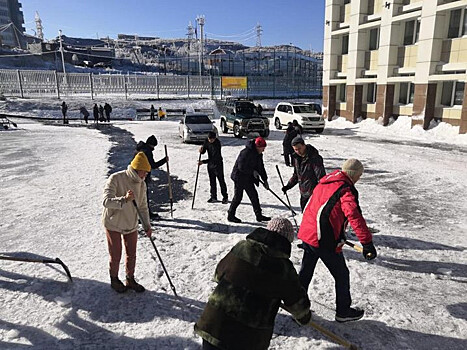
(217, 173)
(250, 189)
(336, 265)
(287, 158)
(303, 202)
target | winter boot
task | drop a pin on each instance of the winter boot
(225, 200)
(351, 315)
(212, 200)
(261, 217)
(233, 218)
(132, 284)
(117, 285)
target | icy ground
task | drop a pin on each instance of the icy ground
(51, 179)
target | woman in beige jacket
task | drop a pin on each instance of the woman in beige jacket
(120, 219)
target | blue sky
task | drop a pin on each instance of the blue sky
(298, 22)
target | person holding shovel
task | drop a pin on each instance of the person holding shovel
(120, 219)
(215, 166)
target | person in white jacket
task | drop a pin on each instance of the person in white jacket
(120, 219)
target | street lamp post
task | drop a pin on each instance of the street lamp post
(61, 51)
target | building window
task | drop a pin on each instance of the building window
(454, 30)
(374, 39)
(411, 31)
(371, 93)
(406, 93)
(345, 44)
(342, 92)
(453, 93)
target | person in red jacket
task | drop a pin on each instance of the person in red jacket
(333, 204)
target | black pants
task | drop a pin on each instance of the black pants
(249, 188)
(303, 202)
(287, 158)
(217, 173)
(336, 265)
(209, 346)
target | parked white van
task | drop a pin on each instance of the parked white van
(307, 114)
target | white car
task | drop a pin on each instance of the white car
(194, 127)
(308, 115)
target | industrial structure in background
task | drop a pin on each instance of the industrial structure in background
(384, 59)
(11, 24)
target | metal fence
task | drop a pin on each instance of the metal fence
(29, 83)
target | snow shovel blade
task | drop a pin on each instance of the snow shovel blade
(43, 261)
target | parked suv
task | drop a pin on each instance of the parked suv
(242, 117)
(307, 114)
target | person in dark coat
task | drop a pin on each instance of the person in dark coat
(334, 204)
(215, 166)
(152, 112)
(290, 134)
(253, 279)
(95, 112)
(148, 147)
(101, 113)
(297, 127)
(248, 168)
(107, 110)
(85, 113)
(308, 170)
(64, 108)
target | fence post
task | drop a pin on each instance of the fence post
(91, 86)
(188, 85)
(58, 85)
(20, 84)
(125, 86)
(157, 86)
(222, 89)
(274, 86)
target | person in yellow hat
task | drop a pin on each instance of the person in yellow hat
(120, 219)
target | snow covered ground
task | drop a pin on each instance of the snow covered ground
(51, 179)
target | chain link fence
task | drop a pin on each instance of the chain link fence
(30, 83)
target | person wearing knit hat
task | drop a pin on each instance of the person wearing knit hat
(120, 219)
(246, 173)
(148, 148)
(334, 203)
(308, 170)
(255, 277)
(353, 168)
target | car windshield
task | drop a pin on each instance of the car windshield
(305, 109)
(246, 108)
(197, 119)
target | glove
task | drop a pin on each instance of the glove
(369, 251)
(304, 320)
(285, 189)
(255, 174)
(266, 184)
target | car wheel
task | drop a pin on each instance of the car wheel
(236, 131)
(277, 123)
(264, 133)
(224, 128)
(319, 131)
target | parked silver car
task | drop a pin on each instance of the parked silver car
(194, 127)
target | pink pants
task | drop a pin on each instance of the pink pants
(114, 242)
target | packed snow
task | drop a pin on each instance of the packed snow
(413, 194)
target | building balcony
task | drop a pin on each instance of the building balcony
(342, 66)
(371, 61)
(407, 59)
(454, 54)
(344, 17)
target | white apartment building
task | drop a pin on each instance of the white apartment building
(385, 58)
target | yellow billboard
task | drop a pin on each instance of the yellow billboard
(234, 82)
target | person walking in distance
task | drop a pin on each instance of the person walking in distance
(290, 134)
(161, 114)
(297, 127)
(152, 112)
(334, 203)
(95, 113)
(215, 166)
(101, 113)
(253, 279)
(85, 113)
(248, 168)
(308, 170)
(107, 110)
(64, 109)
(148, 148)
(120, 219)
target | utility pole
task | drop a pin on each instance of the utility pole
(201, 21)
(61, 51)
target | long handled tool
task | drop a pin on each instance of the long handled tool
(334, 337)
(279, 198)
(157, 252)
(43, 261)
(170, 185)
(358, 248)
(286, 195)
(196, 183)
